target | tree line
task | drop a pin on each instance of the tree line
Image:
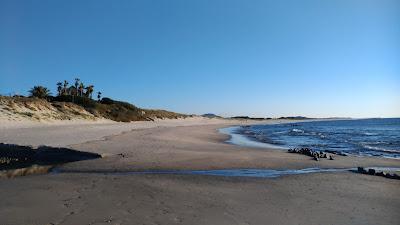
(63, 89)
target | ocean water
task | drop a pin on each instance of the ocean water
(371, 137)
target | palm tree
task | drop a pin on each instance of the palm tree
(76, 85)
(59, 88)
(89, 91)
(80, 88)
(39, 91)
(72, 90)
(65, 87)
(98, 95)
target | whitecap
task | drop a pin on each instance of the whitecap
(297, 130)
(381, 149)
(280, 132)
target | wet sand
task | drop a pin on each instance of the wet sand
(344, 198)
(87, 196)
(196, 148)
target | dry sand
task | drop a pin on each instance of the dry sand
(87, 196)
(62, 133)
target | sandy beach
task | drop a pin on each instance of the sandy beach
(199, 112)
(100, 191)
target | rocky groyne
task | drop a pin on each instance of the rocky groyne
(316, 155)
(374, 172)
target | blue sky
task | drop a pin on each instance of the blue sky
(259, 58)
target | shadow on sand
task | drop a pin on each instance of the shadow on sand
(16, 160)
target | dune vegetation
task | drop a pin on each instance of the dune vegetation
(76, 102)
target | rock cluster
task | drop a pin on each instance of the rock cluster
(309, 152)
(381, 173)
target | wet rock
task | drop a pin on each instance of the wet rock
(381, 174)
(392, 176)
(309, 152)
(371, 172)
(388, 175)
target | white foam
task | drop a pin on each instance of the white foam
(297, 130)
(242, 140)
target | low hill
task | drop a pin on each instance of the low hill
(73, 107)
(249, 118)
(211, 115)
(295, 118)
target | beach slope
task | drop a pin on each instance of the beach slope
(100, 191)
